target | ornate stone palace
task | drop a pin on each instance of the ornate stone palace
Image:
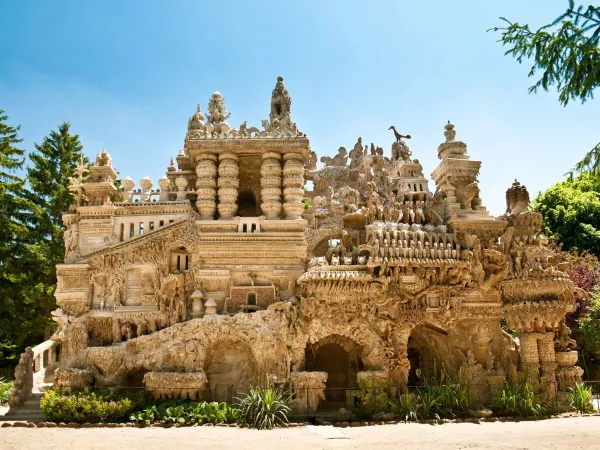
(232, 272)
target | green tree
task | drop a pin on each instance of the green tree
(52, 164)
(566, 53)
(18, 310)
(571, 213)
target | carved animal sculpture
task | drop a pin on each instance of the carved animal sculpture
(398, 136)
(466, 194)
(245, 131)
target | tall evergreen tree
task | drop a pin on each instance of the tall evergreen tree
(52, 163)
(18, 310)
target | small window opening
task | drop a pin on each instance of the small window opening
(251, 299)
(122, 232)
(141, 228)
(150, 226)
(161, 223)
(131, 230)
(178, 263)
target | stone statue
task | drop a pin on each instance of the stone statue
(397, 135)
(217, 113)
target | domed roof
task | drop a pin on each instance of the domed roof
(196, 122)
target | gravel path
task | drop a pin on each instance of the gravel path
(572, 433)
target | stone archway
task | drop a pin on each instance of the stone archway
(429, 353)
(340, 357)
(230, 368)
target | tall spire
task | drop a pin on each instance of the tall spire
(281, 103)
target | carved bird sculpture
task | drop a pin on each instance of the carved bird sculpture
(399, 136)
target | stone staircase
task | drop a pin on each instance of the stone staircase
(34, 375)
(29, 411)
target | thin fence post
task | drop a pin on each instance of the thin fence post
(307, 403)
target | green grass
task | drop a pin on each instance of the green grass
(5, 390)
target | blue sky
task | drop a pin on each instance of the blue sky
(128, 74)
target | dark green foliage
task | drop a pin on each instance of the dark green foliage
(5, 389)
(372, 397)
(86, 407)
(567, 53)
(588, 332)
(520, 400)
(581, 398)
(187, 413)
(441, 397)
(52, 164)
(19, 313)
(264, 408)
(571, 213)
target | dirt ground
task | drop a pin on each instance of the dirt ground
(572, 433)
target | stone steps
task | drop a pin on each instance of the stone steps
(29, 411)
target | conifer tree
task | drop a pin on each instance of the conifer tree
(19, 318)
(52, 163)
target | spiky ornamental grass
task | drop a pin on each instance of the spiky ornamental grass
(264, 408)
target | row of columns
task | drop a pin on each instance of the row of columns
(224, 181)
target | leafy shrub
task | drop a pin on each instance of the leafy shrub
(5, 389)
(264, 407)
(407, 408)
(187, 413)
(438, 398)
(85, 407)
(581, 398)
(372, 398)
(520, 399)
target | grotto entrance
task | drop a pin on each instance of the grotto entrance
(340, 358)
(424, 346)
(230, 368)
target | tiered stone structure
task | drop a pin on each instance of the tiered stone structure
(232, 272)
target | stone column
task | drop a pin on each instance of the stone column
(206, 184)
(270, 183)
(228, 184)
(164, 184)
(181, 183)
(530, 358)
(293, 183)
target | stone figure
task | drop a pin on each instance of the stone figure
(218, 113)
(338, 160)
(397, 135)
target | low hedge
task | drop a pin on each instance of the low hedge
(86, 407)
(187, 413)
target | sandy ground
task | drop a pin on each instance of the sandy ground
(572, 433)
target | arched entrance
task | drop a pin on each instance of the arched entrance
(428, 353)
(340, 358)
(230, 368)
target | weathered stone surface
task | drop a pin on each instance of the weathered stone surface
(369, 278)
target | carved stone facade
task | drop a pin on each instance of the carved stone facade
(232, 271)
